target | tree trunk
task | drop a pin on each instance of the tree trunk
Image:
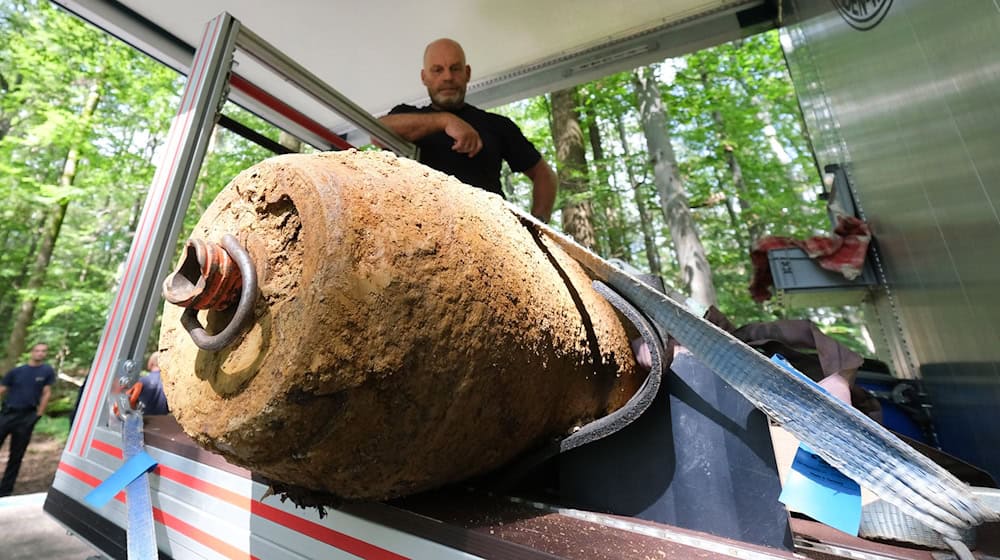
(571, 159)
(26, 310)
(734, 219)
(19, 331)
(696, 274)
(752, 221)
(617, 246)
(648, 236)
(6, 88)
(770, 132)
(94, 246)
(8, 295)
(290, 142)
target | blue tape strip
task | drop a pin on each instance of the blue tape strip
(820, 491)
(131, 470)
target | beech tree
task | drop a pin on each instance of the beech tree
(675, 168)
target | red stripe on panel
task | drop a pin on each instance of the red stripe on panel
(89, 415)
(107, 448)
(316, 531)
(159, 203)
(169, 521)
(241, 501)
(196, 534)
(333, 538)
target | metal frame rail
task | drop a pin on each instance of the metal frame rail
(138, 299)
(92, 450)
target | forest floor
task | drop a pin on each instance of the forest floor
(39, 465)
(42, 458)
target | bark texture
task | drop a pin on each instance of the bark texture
(696, 273)
(410, 332)
(571, 156)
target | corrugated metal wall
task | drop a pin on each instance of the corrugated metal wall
(906, 94)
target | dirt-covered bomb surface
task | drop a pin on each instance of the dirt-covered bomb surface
(409, 332)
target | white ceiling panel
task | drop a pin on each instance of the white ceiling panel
(372, 51)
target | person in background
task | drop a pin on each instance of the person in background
(151, 395)
(27, 389)
(467, 142)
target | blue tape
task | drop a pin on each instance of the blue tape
(815, 488)
(131, 470)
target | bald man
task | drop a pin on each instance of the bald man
(464, 141)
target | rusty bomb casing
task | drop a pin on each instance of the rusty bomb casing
(409, 331)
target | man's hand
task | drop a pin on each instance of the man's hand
(467, 140)
(643, 357)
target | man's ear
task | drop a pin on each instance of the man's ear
(423, 76)
(468, 72)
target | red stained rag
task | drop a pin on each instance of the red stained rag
(843, 251)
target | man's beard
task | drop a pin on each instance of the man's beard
(449, 103)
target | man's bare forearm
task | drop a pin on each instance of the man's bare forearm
(414, 126)
(543, 192)
(44, 403)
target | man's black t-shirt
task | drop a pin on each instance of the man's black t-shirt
(502, 140)
(24, 386)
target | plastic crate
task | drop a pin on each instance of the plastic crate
(800, 282)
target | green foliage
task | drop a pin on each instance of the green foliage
(731, 103)
(56, 427)
(532, 115)
(229, 155)
(733, 100)
(735, 103)
(63, 399)
(50, 62)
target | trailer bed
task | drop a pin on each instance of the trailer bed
(467, 521)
